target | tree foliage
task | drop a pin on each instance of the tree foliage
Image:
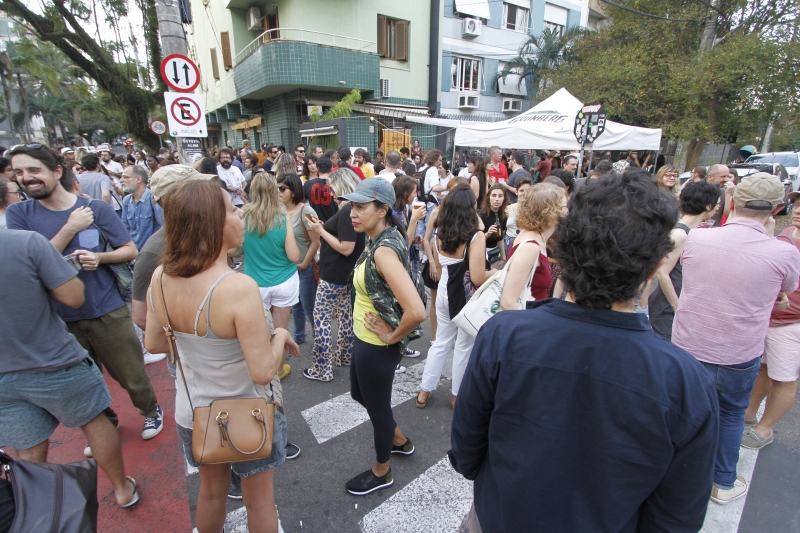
(64, 23)
(654, 73)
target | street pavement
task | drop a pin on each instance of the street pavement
(335, 436)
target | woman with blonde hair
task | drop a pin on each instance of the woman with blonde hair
(667, 179)
(340, 248)
(538, 213)
(285, 164)
(270, 251)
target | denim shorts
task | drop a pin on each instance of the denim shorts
(246, 468)
(33, 403)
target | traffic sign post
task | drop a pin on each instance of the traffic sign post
(590, 123)
(180, 73)
(185, 114)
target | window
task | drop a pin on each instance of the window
(227, 57)
(515, 18)
(465, 74)
(392, 38)
(555, 18)
(271, 23)
(214, 64)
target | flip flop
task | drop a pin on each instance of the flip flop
(135, 498)
(420, 404)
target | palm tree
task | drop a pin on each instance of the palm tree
(540, 55)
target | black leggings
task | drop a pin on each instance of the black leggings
(371, 377)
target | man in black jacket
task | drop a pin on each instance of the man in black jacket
(573, 415)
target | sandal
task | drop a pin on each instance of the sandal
(420, 404)
(134, 498)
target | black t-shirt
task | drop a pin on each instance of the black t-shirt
(488, 220)
(333, 266)
(267, 165)
(320, 197)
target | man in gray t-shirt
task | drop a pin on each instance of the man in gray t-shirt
(46, 377)
(93, 181)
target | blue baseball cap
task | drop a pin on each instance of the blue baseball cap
(370, 190)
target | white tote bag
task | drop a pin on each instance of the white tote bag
(486, 300)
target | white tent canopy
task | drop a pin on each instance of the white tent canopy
(549, 126)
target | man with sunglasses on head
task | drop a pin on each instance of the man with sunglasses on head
(81, 228)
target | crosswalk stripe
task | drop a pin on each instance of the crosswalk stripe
(434, 502)
(236, 522)
(342, 413)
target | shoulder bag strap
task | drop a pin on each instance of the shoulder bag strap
(305, 231)
(173, 347)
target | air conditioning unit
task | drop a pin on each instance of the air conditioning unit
(511, 105)
(386, 88)
(471, 28)
(468, 101)
(254, 19)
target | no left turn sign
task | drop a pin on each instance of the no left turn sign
(185, 114)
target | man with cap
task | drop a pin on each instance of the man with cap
(733, 276)
(318, 192)
(67, 153)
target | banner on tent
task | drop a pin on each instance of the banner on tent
(590, 123)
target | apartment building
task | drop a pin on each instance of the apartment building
(268, 66)
(479, 36)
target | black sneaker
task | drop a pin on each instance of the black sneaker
(404, 449)
(235, 490)
(408, 352)
(292, 450)
(368, 482)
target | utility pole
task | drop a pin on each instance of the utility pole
(173, 41)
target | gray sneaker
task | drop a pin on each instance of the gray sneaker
(754, 441)
(750, 423)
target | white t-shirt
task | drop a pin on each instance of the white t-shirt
(233, 178)
(465, 173)
(396, 172)
(112, 166)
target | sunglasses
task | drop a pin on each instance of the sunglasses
(274, 152)
(283, 188)
(302, 151)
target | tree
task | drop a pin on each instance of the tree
(540, 56)
(723, 68)
(62, 24)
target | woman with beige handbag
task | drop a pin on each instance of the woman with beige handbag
(228, 404)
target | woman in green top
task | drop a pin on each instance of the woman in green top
(387, 312)
(270, 251)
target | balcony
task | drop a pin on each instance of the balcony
(284, 58)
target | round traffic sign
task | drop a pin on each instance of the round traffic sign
(158, 127)
(180, 73)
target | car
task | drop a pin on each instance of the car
(789, 160)
(776, 169)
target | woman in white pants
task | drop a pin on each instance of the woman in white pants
(461, 246)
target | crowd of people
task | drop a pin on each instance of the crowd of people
(601, 378)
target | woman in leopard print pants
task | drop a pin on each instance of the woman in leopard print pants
(333, 301)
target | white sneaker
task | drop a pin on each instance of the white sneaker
(411, 353)
(150, 358)
(400, 369)
(726, 496)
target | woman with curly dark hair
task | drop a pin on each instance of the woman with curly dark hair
(309, 168)
(461, 248)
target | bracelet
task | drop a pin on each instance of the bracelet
(386, 340)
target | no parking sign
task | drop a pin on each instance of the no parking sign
(186, 114)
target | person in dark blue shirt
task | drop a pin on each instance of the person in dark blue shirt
(574, 415)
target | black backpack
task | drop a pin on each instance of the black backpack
(422, 195)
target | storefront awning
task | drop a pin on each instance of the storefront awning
(247, 124)
(319, 132)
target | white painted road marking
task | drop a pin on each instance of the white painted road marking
(236, 522)
(333, 417)
(434, 502)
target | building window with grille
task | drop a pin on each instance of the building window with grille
(555, 18)
(465, 73)
(393, 38)
(515, 18)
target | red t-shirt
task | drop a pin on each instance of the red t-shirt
(791, 315)
(500, 173)
(542, 277)
(545, 166)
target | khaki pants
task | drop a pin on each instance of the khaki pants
(112, 343)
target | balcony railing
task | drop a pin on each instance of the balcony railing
(299, 35)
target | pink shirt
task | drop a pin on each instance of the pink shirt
(731, 278)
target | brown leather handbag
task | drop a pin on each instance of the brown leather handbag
(230, 430)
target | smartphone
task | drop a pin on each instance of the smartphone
(72, 260)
